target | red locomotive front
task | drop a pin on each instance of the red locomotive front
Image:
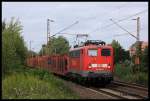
(91, 61)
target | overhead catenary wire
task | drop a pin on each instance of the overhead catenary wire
(123, 28)
(68, 33)
(65, 28)
(133, 15)
(109, 24)
(118, 21)
(95, 17)
(118, 35)
(89, 18)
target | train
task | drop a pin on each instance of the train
(89, 62)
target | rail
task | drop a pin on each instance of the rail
(136, 86)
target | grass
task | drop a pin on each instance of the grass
(34, 84)
(125, 74)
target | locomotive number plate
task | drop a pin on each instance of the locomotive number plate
(94, 65)
(102, 65)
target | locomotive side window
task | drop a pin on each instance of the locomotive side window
(105, 52)
(49, 61)
(92, 52)
(75, 53)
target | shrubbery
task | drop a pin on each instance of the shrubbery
(25, 83)
(125, 73)
(144, 61)
(125, 66)
(120, 54)
(13, 47)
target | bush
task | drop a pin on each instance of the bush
(127, 74)
(122, 70)
(127, 63)
(26, 84)
(13, 47)
(142, 78)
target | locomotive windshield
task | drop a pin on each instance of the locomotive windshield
(92, 52)
(105, 52)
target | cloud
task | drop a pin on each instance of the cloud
(91, 15)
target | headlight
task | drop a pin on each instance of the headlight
(90, 67)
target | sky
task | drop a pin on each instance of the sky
(93, 19)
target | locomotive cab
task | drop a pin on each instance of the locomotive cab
(92, 61)
(99, 62)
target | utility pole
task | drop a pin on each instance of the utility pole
(48, 29)
(30, 49)
(42, 51)
(32, 52)
(30, 45)
(138, 46)
(137, 62)
(138, 28)
(48, 33)
(43, 46)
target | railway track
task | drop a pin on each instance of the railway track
(119, 90)
(131, 85)
(115, 94)
(116, 90)
(130, 89)
(125, 90)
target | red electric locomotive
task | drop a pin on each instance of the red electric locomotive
(91, 61)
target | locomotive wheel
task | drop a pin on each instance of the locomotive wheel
(84, 81)
(79, 79)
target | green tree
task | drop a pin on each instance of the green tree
(60, 46)
(8, 52)
(43, 50)
(120, 55)
(31, 53)
(117, 47)
(3, 25)
(56, 46)
(125, 55)
(13, 47)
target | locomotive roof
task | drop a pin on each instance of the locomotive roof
(91, 46)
